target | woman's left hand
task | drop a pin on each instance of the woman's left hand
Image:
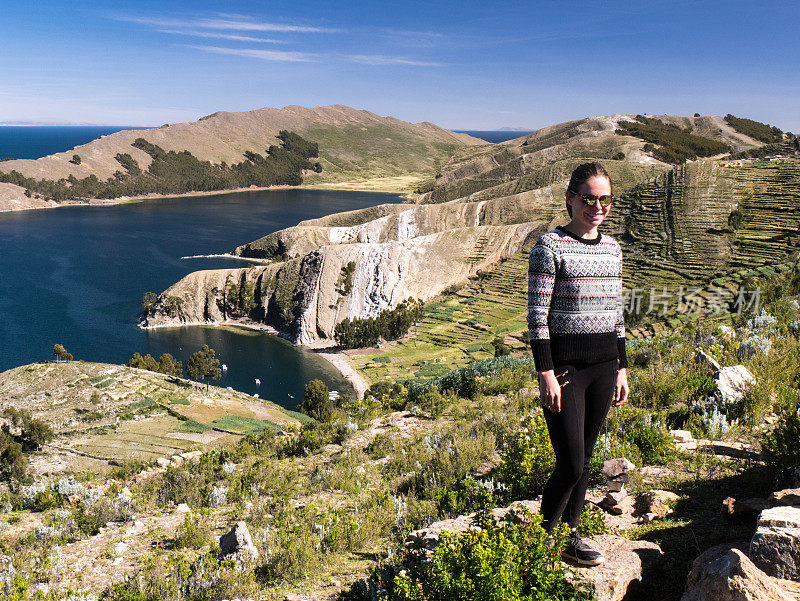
(622, 390)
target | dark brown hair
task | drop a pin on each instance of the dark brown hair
(584, 173)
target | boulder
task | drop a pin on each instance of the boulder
(617, 503)
(732, 382)
(625, 561)
(724, 573)
(182, 508)
(727, 331)
(681, 435)
(787, 496)
(428, 537)
(613, 468)
(162, 462)
(238, 544)
(775, 547)
(660, 502)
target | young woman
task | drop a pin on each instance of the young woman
(577, 336)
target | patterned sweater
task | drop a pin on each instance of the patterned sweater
(575, 300)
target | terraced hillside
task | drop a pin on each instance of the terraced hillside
(103, 413)
(705, 218)
(549, 155)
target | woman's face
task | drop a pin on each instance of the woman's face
(590, 217)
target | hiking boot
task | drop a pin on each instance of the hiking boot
(580, 552)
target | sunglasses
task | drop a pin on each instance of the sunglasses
(591, 199)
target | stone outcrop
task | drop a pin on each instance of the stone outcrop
(415, 252)
(660, 502)
(732, 381)
(238, 544)
(622, 570)
(736, 511)
(787, 496)
(775, 547)
(724, 573)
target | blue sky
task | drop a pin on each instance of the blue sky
(462, 65)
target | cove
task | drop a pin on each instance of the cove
(75, 275)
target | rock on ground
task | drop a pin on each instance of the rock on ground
(625, 560)
(775, 547)
(787, 496)
(238, 544)
(732, 381)
(724, 573)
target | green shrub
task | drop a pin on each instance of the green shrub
(592, 521)
(641, 438)
(527, 459)
(780, 447)
(498, 563)
(316, 402)
(193, 533)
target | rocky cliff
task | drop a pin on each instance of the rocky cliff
(408, 251)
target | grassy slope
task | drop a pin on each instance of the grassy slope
(114, 412)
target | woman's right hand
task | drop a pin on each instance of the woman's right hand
(549, 391)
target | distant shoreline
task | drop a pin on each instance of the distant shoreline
(354, 186)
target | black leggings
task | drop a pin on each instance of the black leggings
(586, 395)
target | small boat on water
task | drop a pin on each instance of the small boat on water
(224, 367)
(258, 382)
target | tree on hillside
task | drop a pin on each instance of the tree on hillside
(316, 402)
(148, 301)
(33, 432)
(61, 353)
(501, 349)
(204, 365)
(13, 464)
(76, 160)
(167, 364)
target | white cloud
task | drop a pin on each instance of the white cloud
(267, 55)
(223, 24)
(221, 36)
(380, 59)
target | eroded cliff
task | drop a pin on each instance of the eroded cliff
(321, 274)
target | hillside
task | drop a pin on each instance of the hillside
(103, 413)
(492, 201)
(354, 145)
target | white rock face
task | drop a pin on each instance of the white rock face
(681, 435)
(775, 547)
(613, 468)
(732, 382)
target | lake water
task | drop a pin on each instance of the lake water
(75, 276)
(493, 136)
(36, 141)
